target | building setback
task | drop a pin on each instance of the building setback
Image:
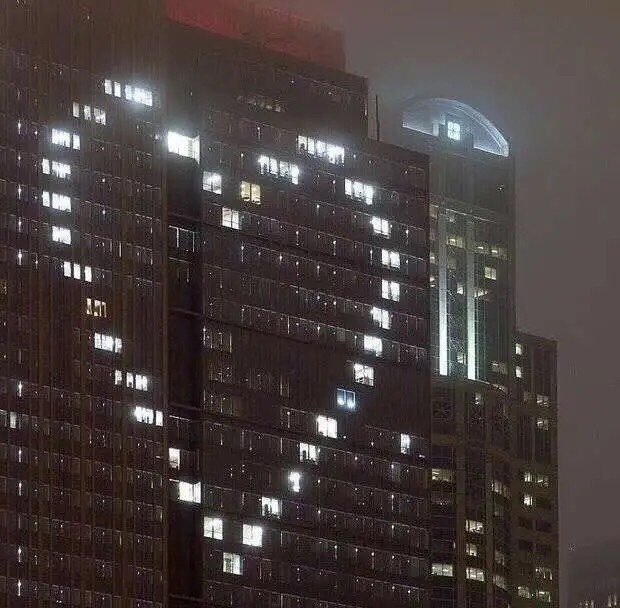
(214, 323)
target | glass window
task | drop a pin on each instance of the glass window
(212, 182)
(189, 147)
(189, 492)
(359, 191)
(390, 259)
(364, 374)
(252, 535)
(390, 290)
(230, 218)
(454, 130)
(61, 235)
(475, 526)
(231, 563)
(345, 398)
(174, 458)
(294, 481)
(380, 226)
(270, 506)
(442, 569)
(328, 427)
(381, 317)
(475, 574)
(214, 528)
(372, 344)
(308, 452)
(250, 193)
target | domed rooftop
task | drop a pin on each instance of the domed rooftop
(455, 119)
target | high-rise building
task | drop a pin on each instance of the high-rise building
(535, 473)
(472, 238)
(214, 320)
(494, 402)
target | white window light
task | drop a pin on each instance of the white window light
(61, 235)
(252, 535)
(270, 506)
(60, 202)
(118, 377)
(146, 415)
(174, 458)
(454, 130)
(189, 492)
(359, 191)
(279, 168)
(96, 308)
(90, 114)
(405, 444)
(372, 344)
(390, 290)
(500, 557)
(345, 398)
(363, 374)
(528, 500)
(65, 139)
(500, 581)
(320, 149)
(108, 343)
(308, 452)
(523, 591)
(88, 274)
(212, 182)
(380, 226)
(518, 371)
(129, 380)
(76, 109)
(446, 475)
(442, 569)
(188, 147)
(45, 166)
(250, 193)
(112, 88)
(472, 525)
(475, 574)
(328, 427)
(213, 528)
(61, 170)
(142, 382)
(294, 481)
(139, 95)
(490, 273)
(230, 218)
(381, 317)
(390, 259)
(231, 563)
(471, 549)
(518, 348)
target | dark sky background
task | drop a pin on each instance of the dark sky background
(546, 72)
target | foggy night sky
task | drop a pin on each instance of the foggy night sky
(547, 74)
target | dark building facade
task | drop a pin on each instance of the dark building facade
(535, 474)
(214, 323)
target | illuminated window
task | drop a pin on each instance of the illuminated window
(328, 427)
(381, 317)
(250, 193)
(456, 241)
(138, 95)
(279, 168)
(454, 130)
(112, 88)
(490, 273)
(294, 481)
(390, 259)
(90, 114)
(142, 382)
(390, 290)
(442, 569)
(212, 182)
(213, 528)
(230, 218)
(146, 415)
(231, 563)
(270, 507)
(445, 475)
(523, 591)
(474, 574)
(472, 525)
(544, 573)
(405, 444)
(373, 344)
(345, 398)
(500, 558)
(189, 492)
(65, 139)
(528, 500)
(499, 367)
(59, 170)
(380, 226)
(188, 147)
(542, 424)
(499, 487)
(518, 348)
(542, 480)
(542, 400)
(543, 596)
(363, 374)
(499, 581)
(518, 371)
(252, 535)
(359, 191)
(61, 235)
(308, 452)
(60, 202)
(96, 308)
(108, 343)
(319, 149)
(471, 549)
(174, 458)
